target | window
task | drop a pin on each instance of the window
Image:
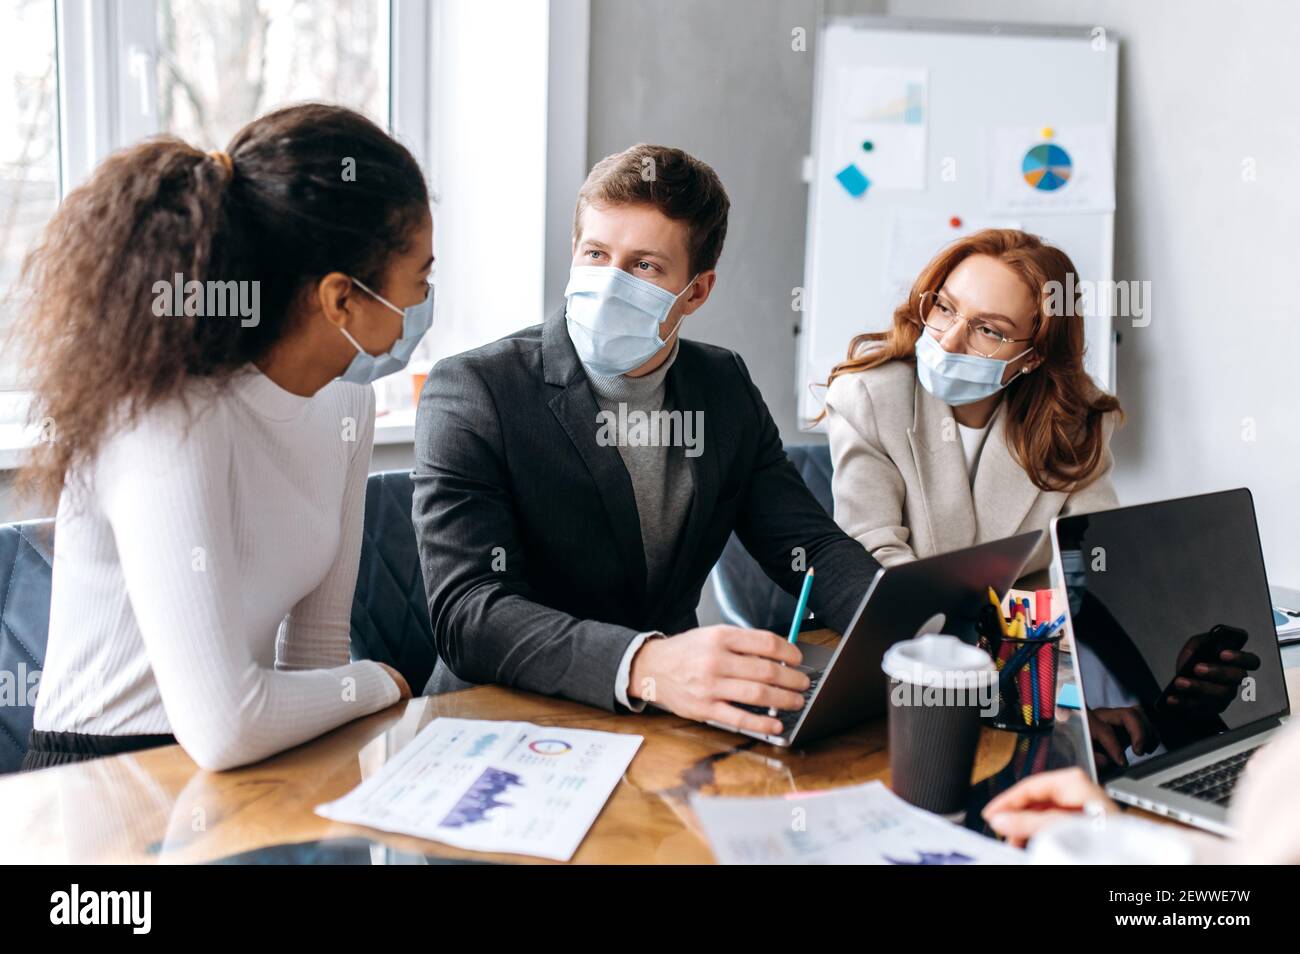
(221, 63)
(29, 149)
(80, 79)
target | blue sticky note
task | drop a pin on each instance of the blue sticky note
(1068, 696)
(854, 182)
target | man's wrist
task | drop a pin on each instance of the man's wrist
(641, 672)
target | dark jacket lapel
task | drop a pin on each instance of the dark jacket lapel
(686, 394)
(574, 406)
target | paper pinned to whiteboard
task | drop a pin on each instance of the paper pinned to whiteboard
(887, 108)
(1073, 172)
(916, 237)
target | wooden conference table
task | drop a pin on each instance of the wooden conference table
(157, 806)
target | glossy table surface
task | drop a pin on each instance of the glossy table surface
(157, 806)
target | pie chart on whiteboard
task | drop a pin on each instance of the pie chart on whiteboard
(1046, 167)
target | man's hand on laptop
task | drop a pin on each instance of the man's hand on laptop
(698, 674)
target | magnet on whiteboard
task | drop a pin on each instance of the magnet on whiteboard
(854, 182)
(1046, 132)
(955, 222)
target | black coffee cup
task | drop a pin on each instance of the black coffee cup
(938, 689)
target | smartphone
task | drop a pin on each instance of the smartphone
(1218, 639)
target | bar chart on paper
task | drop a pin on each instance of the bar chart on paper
(482, 785)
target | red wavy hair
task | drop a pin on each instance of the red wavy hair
(1054, 415)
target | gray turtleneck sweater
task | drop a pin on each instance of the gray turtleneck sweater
(661, 479)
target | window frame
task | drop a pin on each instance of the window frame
(106, 55)
(108, 94)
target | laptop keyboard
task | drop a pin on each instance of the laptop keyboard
(1215, 782)
(789, 718)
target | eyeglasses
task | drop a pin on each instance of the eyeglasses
(938, 315)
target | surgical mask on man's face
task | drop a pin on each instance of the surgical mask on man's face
(613, 317)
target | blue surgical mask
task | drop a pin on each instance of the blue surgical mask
(614, 318)
(367, 368)
(957, 379)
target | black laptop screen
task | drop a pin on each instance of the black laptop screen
(1158, 595)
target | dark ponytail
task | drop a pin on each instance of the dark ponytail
(299, 193)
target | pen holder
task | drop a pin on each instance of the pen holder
(1026, 680)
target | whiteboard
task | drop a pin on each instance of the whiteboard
(981, 87)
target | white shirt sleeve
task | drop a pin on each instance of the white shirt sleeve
(625, 673)
(169, 504)
(318, 631)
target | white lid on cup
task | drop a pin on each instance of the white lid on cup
(939, 660)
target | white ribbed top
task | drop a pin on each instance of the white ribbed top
(203, 576)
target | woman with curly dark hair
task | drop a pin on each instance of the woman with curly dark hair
(191, 315)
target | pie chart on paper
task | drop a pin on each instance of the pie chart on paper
(1046, 167)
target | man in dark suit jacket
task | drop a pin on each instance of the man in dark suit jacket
(558, 542)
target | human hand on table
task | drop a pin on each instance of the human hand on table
(698, 674)
(1043, 799)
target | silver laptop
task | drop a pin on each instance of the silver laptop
(1175, 649)
(938, 594)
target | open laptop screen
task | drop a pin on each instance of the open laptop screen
(1158, 594)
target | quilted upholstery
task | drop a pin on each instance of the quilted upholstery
(390, 613)
(26, 553)
(744, 593)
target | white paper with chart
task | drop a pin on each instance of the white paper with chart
(493, 786)
(856, 825)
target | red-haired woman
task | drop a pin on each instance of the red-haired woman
(972, 418)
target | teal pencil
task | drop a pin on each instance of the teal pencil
(801, 608)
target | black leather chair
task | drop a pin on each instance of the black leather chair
(26, 557)
(745, 595)
(390, 613)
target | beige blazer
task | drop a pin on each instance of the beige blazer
(900, 482)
